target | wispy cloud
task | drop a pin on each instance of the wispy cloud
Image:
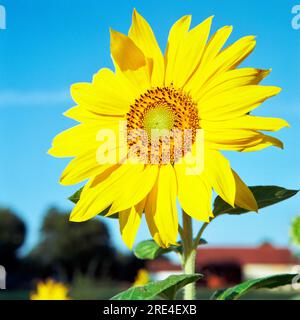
(14, 98)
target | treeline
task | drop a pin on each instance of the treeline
(65, 250)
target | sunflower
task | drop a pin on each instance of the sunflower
(142, 278)
(50, 290)
(195, 86)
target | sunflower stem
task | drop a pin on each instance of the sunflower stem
(199, 235)
(189, 255)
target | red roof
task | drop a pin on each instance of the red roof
(264, 254)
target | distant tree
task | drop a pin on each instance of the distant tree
(12, 235)
(68, 247)
(126, 267)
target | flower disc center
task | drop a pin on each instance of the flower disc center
(159, 117)
(165, 114)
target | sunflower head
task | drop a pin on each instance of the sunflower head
(165, 100)
(163, 113)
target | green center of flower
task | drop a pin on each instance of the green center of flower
(158, 118)
(165, 114)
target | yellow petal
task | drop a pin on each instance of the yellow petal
(93, 154)
(142, 35)
(219, 174)
(244, 197)
(160, 208)
(117, 84)
(233, 79)
(82, 168)
(189, 52)
(99, 193)
(228, 59)
(150, 207)
(104, 96)
(177, 33)
(246, 122)
(233, 139)
(236, 102)
(74, 141)
(267, 141)
(215, 44)
(137, 188)
(233, 55)
(129, 220)
(212, 49)
(240, 140)
(194, 194)
(81, 114)
(125, 53)
(79, 139)
(130, 60)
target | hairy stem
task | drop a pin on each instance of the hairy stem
(189, 255)
(199, 234)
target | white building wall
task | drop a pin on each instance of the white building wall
(161, 275)
(252, 271)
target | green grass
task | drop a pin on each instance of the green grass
(14, 294)
(85, 290)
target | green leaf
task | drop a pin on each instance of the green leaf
(264, 195)
(76, 196)
(149, 249)
(165, 288)
(295, 231)
(269, 282)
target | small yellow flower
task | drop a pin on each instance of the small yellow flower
(50, 290)
(142, 278)
(195, 85)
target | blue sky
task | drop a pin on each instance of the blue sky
(48, 45)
